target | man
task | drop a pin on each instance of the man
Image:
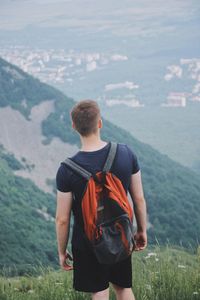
(89, 275)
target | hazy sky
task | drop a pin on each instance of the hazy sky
(130, 18)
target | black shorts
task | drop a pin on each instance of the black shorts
(91, 276)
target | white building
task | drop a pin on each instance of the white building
(175, 99)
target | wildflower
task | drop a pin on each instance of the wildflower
(156, 259)
(39, 277)
(152, 254)
(58, 283)
(148, 286)
(195, 293)
(181, 266)
(30, 291)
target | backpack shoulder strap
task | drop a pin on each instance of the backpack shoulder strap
(78, 169)
(110, 157)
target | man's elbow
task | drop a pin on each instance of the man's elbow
(140, 200)
(61, 220)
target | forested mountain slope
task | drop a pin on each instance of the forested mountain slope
(27, 234)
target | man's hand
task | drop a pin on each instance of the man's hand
(137, 195)
(140, 240)
(64, 263)
(63, 212)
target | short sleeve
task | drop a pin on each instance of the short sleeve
(63, 182)
(134, 161)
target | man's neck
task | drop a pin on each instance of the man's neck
(92, 143)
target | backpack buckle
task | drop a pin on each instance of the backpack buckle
(102, 180)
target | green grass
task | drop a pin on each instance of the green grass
(158, 274)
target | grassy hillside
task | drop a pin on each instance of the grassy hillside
(171, 190)
(167, 274)
(26, 220)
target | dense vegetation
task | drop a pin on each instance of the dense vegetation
(172, 191)
(58, 123)
(12, 162)
(166, 274)
(26, 236)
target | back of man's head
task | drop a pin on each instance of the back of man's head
(85, 116)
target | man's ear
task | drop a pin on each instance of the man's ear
(73, 126)
(100, 123)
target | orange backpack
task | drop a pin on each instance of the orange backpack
(107, 214)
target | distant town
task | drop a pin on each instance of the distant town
(58, 66)
(192, 66)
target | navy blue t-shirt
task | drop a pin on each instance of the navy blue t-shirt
(124, 165)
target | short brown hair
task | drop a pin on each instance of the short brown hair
(85, 115)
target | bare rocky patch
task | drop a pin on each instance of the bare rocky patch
(24, 139)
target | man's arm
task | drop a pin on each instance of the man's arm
(137, 195)
(63, 214)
